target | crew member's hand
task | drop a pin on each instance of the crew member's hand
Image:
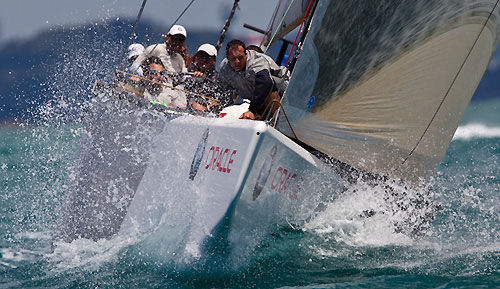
(197, 106)
(198, 74)
(247, 115)
(135, 78)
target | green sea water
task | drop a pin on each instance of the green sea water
(461, 249)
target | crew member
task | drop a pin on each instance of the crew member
(173, 64)
(252, 75)
(133, 52)
(155, 72)
(169, 52)
(204, 62)
(208, 95)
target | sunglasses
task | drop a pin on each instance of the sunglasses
(155, 72)
(203, 55)
(178, 37)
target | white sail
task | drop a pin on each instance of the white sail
(388, 100)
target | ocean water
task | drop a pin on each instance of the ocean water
(461, 248)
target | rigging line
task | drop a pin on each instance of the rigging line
(452, 83)
(184, 11)
(279, 26)
(286, 117)
(298, 32)
(175, 21)
(288, 121)
(270, 23)
(133, 32)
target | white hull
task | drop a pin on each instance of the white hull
(206, 183)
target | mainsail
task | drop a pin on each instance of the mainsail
(382, 85)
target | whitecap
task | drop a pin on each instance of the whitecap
(476, 130)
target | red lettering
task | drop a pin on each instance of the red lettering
(214, 158)
(209, 160)
(291, 179)
(225, 157)
(278, 171)
(230, 161)
(219, 159)
(220, 163)
(217, 162)
(282, 180)
(287, 182)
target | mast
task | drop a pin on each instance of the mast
(226, 26)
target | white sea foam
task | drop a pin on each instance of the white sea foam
(476, 130)
(87, 255)
(344, 221)
(12, 257)
(44, 235)
(16, 255)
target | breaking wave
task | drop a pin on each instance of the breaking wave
(380, 215)
(476, 130)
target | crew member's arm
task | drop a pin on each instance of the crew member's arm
(263, 86)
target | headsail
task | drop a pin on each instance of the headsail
(383, 85)
(289, 14)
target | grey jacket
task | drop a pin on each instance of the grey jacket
(261, 76)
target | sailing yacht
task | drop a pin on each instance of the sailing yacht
(377, 90)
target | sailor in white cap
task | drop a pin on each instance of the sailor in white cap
(208, 85)
(204, 62)
(173, 63)
(170, 51)
(176, 37)
(133, 52)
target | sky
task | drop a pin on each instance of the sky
(21, 19)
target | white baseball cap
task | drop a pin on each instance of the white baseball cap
(135, 49)
(208, 49)
(177, 29)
